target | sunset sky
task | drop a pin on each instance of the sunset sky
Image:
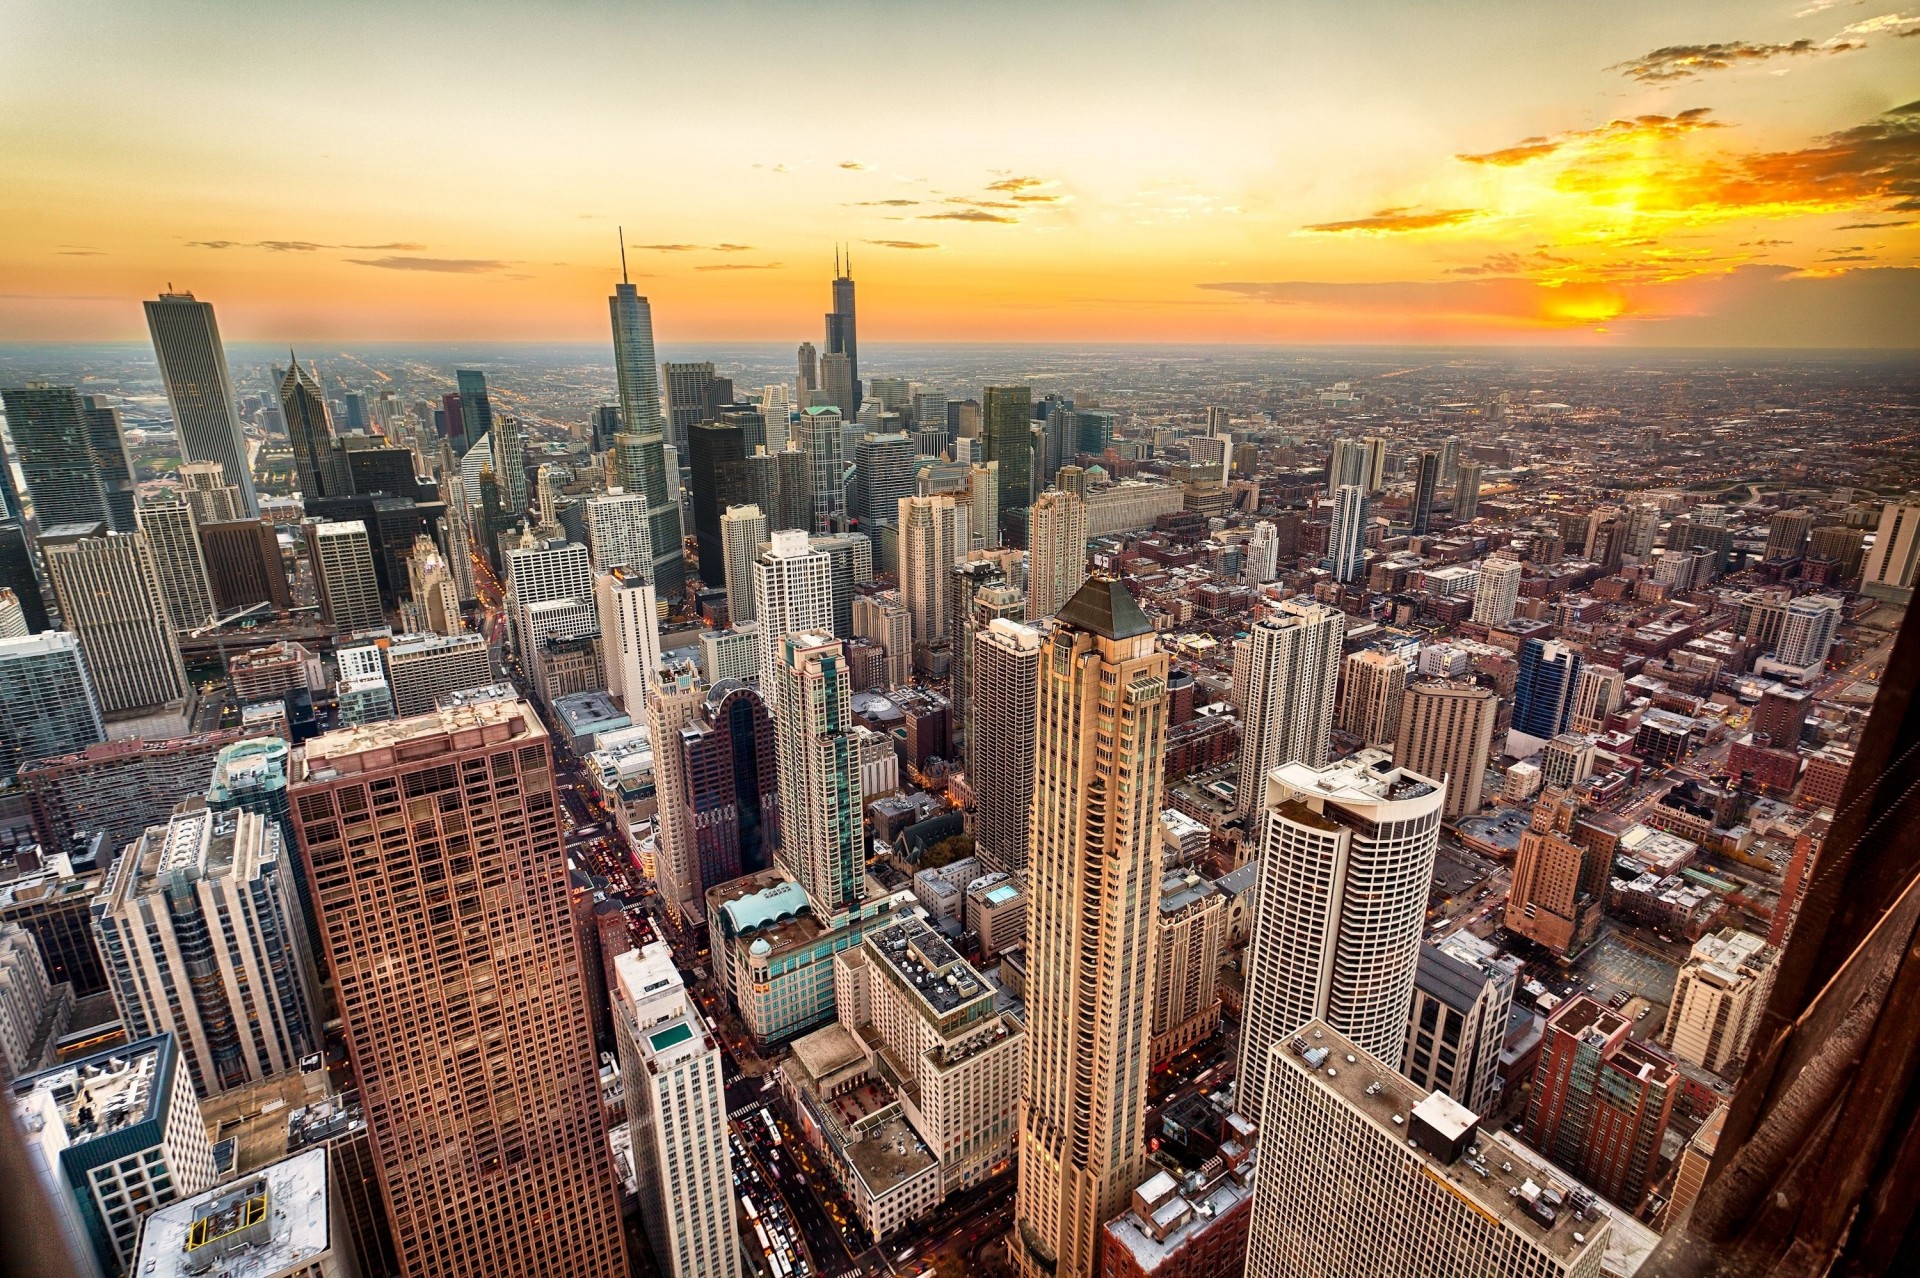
(1635, 172)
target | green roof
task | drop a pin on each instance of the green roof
(1104, 607)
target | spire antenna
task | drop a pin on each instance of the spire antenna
(622, 233)
(836, 261)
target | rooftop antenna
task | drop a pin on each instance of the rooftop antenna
(836, 261)
(849, 261)
(622, 232)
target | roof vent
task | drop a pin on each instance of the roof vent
(1397, 1120)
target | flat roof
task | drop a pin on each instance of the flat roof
(272, 1221)
(103, 1093)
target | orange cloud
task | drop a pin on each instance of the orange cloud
(1640, 128)
(1394, 221)
(1683, 61)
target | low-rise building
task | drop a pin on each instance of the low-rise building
(1191, 1227)
(996, 913)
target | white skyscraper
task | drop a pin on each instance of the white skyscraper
(792, 593)
(742, 530)
(617, 534)
(109, 593)
(193, 365)
(629, 633)
(677, 1116)
(1345, 866)
(342, 561)
(821, 822)
(174, 539)
(1893, 562)
(1347, 537)
(933, 535)
(1056, 551)
(1808, 633)
(776, 406)
(1499, 590)
(1289, 669)
(1595, 696)
(1262, 562)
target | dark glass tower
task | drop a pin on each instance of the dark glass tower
(49, 428)
(842, 338)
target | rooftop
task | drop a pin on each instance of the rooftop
(103, 1093)
(378, 745)
(1103, 606)
(1366, 778)
(272, 1221)
(923, 962)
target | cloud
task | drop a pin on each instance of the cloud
(852, 164)
(731, 248)
(291, 246)
(211, 244)
(1513, 263)
(1894, 23)
(1638, 129)
(80, 252)
(903, 244)
(303, 246)
(1683, 61)
(1014, 185)
(1869, 226)
(441, 265)
(1394, 221)
(1851, 257)
(695, 248)
(668, 248)
(742, 266)
(1873, 164)
(385, 248)
(968, 215)
(885, 204)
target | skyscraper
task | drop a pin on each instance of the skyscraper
(823, 844)
(629, 633)
(719, 465)
(742, 530)
(1543, 691)
(792, 594)
(818, 436)
(510, 463)
(1596, 696)
(1056, 551)
(883, 474)
(1094, 887)
(1554, 900)
(808, 378)
(49, 429)
(1457, 1023)
(319, 469)
(1345, 866)
(475, 404)
(673, 697)
(687, 398)
(1601, 1099)
(677, 1117)
(640, 449)
(932, 533)
(343, 571)
(47, 704)
(617, 536)
(244, 566)
(1289, 668)
(110, 598)
(202, 938)
(1466, 492)
(204, 487)
(842, 335)
(1446, 731)
(439, 875)
(19, 574)
(431, 593)
(1498, 591)
(108, 446)
(837, 384)
(178, 560)
(1006, 423)
(193, 364)
(1426, 483)
(1002, 702)
(1893, 563)
(1347, 536)
(1373, 683)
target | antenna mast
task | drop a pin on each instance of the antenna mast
(622, 233)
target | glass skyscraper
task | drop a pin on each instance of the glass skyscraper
(193, 364)
(639, 449)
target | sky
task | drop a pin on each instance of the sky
(1639, 172)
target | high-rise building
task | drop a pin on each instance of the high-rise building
(981, 594)
(287, 1219)
(743, 529)
(1718, 997)
(933, 531)
(1787, 533)
(48, 426)
(1558, 884)
(1188, 934)
(1457, 1022)
(1056, 551)
(204, 487)
(837, 386)
(1812, 623)
(13, 618)
(1000, 770)
(510, 463)
(343, 572)
(110, 598)
(25, 996)
(883, 474)
(1405, 1181)
(732, 790)
(673, 696)
(1347, 536)
(617, 535)
(821, 810)
(1426, 482)
(193, 365)
(792, 594)
(1348, 463)
(422, 670)
(1373, 684)
(1446, 732)
(174, 542)
(629, 633)
(842, 333)
(1261, 561)
(1094, 885)
(776, 412)
(1006, 420)
(818, 436)
(1596, 696)
(687, 399)
(47, 703)
(1498, 591)
(640, 460)
(808, 376)
(677, 1117)
(431, 591)
(244, 565)
(19, 574)
(107, 444)
(1345, 866)
(1466, 492)
(1288, 667)
(456, 812)
(1544, 688)
(475, 406)
(883, 619)
(1601, 1099)
(202, 937)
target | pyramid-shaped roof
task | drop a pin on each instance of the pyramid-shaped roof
(1104, 607)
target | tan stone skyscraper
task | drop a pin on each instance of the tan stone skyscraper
(1446, 732)
(1094, 887)
(433, 846)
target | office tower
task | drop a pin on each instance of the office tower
(1372, 686)
(1347, 536)
(1001, 730)
(1005, 418)
(673, 697)
(319, 469)
(463, 805)
(510, 463)
(204, 487)
(983, 520)
(823, 845)
(818, 436)
(1596, 695)
(174, 543)
(25, 995)
(1056, 551)
(343, 571)
(47, 704)
(13, 618)
(617, 532)
(808, 377)
(603, 426)
(1345, 865)
(1426, 481)
(281, 1220)
(186, 341)
(107, 444)
(1289, 668)
(1446, 732)
(883, 474)
(850, 565)
(794, 487)
(424, 669)
(883, 619)
(110, 598)
(244, 565)
(731, 790)
(431, 589)
(792, 594)
(1787, 533)
(1498, 591)
(836, 385)
(1718, 998)
(19, 574)
(640, 450)
(1093, 430)
(719, 463)
(1543, 691)
(356, 406)
(1188, 933)
(980, 594)
(553, 616)
(1807, 636)
(1349, 462)
(1457, 1022)
(629, 632)
(1214, 453)
(842, 335)
(1404, 1182)
(1094, 886)
(687, 398)
(112, 1136)
(1466, 492)
(676, 1116)
(48, 427)
(742, 530)
(202, 939)
(1601, 1100)
(776, 411)
(1842, 546)
(1555, 897)
(1566, 761)
(475, 405)
(932, 530)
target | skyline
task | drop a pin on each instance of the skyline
(1480, 173)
